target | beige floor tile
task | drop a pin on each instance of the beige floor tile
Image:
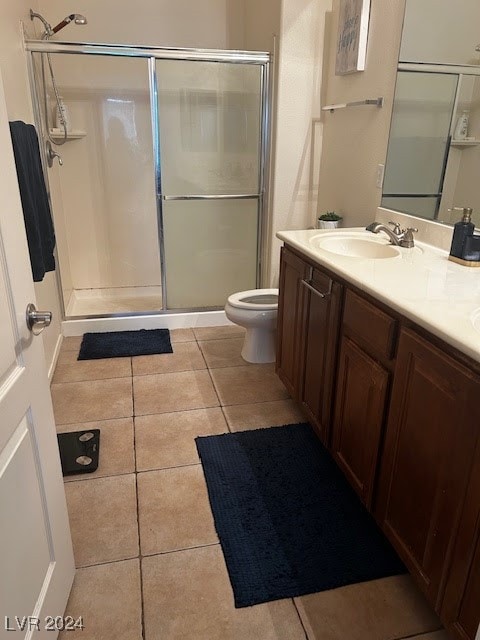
(116, 447)
(72, 343)
(91, 369)
(223, 353)
(103, 519)
(187, 595)
(69, 356)
(182, 335)
(249, 384)
(218, 333)
(92, 400)
(168, 439)
(186, 356)
(174, 510)
(108, 597)
(168, 392)
(262, 414)
(376, 610)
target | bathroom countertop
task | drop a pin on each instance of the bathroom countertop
(421, 284)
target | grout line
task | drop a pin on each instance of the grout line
(164, 553)
(300, 618)
(66, 424)
(82, 475)
(166, 373)
(128, 375)
(179, 466)
(226, 420)
(118, 475)
(102, 564)
(142, 605)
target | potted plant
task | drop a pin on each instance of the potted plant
(329, 220)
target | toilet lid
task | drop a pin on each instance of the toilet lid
(260, 299)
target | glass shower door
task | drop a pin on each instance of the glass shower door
(210, 116)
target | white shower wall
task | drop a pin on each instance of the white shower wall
(104, 200)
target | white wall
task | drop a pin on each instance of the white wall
(298, 130)
(183, 23)
(17, 94)
(355, 140)
(441, 31)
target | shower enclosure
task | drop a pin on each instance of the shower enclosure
(159, 204)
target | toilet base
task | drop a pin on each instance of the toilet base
(259, 346)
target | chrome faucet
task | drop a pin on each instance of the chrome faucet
(398, 236)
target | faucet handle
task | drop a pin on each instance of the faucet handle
(396, 227)
(407, 239)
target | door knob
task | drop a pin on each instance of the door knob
(37, 320)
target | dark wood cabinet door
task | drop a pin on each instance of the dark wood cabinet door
(361, 398)
(427, 459)
(467, 617)
(461, 603)
(290, 311)
(321, 320)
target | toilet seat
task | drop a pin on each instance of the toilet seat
(255, 299)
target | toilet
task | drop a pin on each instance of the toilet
(256, 310)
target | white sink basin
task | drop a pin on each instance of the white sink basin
(356, 246)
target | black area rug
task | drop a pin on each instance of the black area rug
(118, 344)
(288, 522)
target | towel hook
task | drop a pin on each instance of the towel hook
(52, 154)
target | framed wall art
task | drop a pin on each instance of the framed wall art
(352, 36)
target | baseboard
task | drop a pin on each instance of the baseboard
(56, 353)
(165, 321)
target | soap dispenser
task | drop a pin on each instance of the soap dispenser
(465, 248)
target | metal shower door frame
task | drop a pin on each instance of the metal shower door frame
(152, 54)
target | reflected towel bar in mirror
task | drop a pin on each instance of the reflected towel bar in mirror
(378, 102)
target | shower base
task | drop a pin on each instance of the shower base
(91, 302)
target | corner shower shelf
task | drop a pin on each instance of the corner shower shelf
(73, 134)
(465, 143)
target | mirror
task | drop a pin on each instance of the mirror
(433, 160)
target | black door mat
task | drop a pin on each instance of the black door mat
(120, 344)
(79, 451)
(288, 521)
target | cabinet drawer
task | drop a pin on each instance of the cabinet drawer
(370, 326)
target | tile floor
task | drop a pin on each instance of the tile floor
(149, 562)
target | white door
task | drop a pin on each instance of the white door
(36, 559)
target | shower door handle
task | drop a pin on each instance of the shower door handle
(233, 196)
(37, 320)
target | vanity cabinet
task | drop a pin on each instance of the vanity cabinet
(429, 445)
(399, 411)
(308, 326)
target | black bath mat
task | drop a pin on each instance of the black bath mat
(118, 344)
(79, 451)
(288, 522)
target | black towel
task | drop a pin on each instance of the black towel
(36, 208)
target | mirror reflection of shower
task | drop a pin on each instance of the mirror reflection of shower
(49, 31)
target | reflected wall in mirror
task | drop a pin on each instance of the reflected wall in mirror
(428, 168)
(441, 32)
